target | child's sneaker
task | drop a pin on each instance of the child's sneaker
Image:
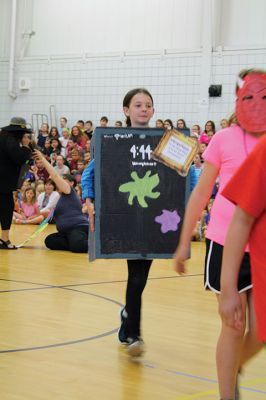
(135, 347)
(122, 335)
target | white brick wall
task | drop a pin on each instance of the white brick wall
(89, 89)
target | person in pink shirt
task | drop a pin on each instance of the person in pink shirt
(78, 136)
(226, 151)
(29, 212)
(207, 134)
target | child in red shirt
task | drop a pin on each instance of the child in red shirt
(247, 189)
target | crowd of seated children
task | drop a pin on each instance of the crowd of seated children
(68, 150)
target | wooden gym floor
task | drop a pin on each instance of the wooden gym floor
(59, 318)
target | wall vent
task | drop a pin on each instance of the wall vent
(24, 83)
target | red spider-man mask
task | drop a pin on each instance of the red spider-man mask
(251, 103)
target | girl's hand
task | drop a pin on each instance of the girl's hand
(37, 155)
(230, 308)
(180, 257)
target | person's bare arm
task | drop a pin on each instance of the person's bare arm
(91, 214)
(230, 307)
(197, 202)
(61, 184)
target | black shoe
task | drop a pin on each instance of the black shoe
(122, 334)
(136, 347)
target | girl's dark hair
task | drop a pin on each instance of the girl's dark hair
(128, 97)
(169, 122)
(184, 122)
(54, 139)
(50, 133)
(51, 182)
(212, 124)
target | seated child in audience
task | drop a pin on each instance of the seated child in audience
(39, 171)
(29, 212)
(47, 150)
(207, 134)
(64, 141)
(73, 162)
(224, 123)
(88, 129)
(54, 133)
(195, 131)
(60, 167)
(195, 171)
(43, 134)
(56, 146)
(79, 171)
(39, 188)
(71, 145)
(202, 148)
(25, 185)
(87, 153)
(78, 136)
(53, 158)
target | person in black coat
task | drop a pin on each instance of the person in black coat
(14, 152)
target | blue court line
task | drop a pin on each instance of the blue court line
(201, 378)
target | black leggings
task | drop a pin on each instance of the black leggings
(6, 210)
(75, 240)
(138, 271)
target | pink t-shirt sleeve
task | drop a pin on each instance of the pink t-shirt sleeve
(247, 188)
(226, 152)
(212, 154)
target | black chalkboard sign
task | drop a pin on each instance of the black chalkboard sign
(139, 202)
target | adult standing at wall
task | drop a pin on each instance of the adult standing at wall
(14, 152)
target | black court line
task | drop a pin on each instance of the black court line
(32, 283)
(125, 280)
(47, 286)
(49, 346)
(71, 342)
(71, 288)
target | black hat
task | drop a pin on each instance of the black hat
(17, 124)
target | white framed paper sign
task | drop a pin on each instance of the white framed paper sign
(176, 151)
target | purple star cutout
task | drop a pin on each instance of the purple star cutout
(169, 221)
